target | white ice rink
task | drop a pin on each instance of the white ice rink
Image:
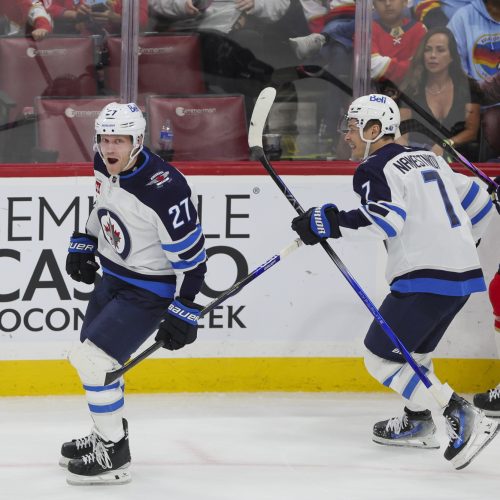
(267, 446)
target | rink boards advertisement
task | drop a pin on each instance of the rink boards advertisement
(302, 308)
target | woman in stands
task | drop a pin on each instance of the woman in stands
(437, 83)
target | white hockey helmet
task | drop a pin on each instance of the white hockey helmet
(375, 107)
(121, 119)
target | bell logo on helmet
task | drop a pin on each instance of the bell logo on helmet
(378, 98)
(133, 108)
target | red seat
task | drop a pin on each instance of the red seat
(206, 127)
(66, 126)
(59, 66)
(168, 64)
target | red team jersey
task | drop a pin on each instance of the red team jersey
(392, 50)
(24, 14)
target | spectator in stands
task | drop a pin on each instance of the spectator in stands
(219, 15)
(77, 16)
(242, 41)
(476, 28)
(394, 39)
(434, 13)
(335, 38)
(314, 12)
(331, 31)
(336, 19)
(437, 83)
(25, 17)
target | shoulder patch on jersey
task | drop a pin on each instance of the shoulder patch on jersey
(159, 179)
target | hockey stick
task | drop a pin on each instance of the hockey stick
(257, 122)
(237, 287)
(414, 125)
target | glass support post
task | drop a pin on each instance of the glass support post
(130, 51)
(361, 81)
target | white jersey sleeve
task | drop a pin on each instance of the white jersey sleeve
(476, 202)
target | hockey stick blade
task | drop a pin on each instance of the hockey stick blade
(258, 121)
(237, 287)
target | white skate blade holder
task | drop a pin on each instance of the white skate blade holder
(485, 429)
(428, 442)
(118, 476)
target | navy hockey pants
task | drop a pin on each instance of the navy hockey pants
(120, 317)
(419, 320)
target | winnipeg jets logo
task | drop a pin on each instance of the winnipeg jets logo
(112, 234)
(115, 232)
(98, 187)
(159, 179)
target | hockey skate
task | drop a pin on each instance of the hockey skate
(415, 429)
(307, 46)
(469, 430)
(76, 448)
(107, 463)
(489, 402)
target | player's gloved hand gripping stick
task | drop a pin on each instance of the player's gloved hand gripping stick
(237, 287)
(259, 117)
(180, 325)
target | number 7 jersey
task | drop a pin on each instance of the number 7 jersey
(148, 229)
(429, 216)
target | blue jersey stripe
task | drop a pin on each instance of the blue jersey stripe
(388, 381)
(180, 246)
(100, 388)
(469, 197)
(138, 169)
(107, 408)
(412, 384)
(482, 213)
(185, 264)
(396, 209)
(166, 290)
(439, 287)
(387, 228)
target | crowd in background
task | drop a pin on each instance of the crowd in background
(439, 59)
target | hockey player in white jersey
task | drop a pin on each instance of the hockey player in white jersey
(145, 230)
(430, 219)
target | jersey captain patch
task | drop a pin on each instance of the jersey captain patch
(115, 232)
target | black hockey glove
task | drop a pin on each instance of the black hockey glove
(180, 325)
(317, 224)
(80, 262)
(495, 195)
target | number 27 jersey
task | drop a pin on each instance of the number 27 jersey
(148, 229)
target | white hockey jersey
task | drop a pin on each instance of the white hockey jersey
(148, 229)
(429, 216)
